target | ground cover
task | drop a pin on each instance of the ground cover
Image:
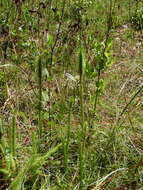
(71, 95)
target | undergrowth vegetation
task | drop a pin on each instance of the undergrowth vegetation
(71, 100)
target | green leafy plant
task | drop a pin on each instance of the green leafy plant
(32, 167)
(136, 19)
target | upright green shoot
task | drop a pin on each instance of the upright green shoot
(83, 128)
(13, 136)
(67, 141)
(40, 98)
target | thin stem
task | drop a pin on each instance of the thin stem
(40, 98)
(66, 147)
(52, 54)
(128, 104)
(83, 128)
(13, 136)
